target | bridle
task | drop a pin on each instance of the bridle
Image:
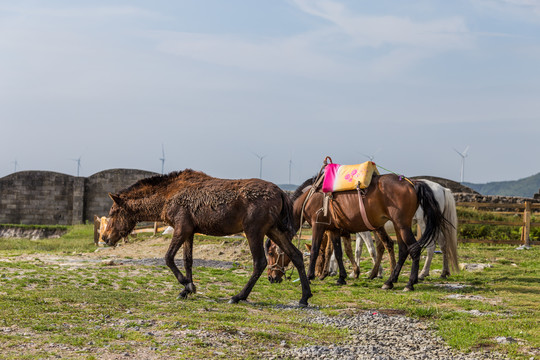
(280, 268)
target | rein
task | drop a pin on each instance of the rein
(312, 190)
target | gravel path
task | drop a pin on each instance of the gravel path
(380, 337)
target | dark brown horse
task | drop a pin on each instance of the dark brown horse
(191, 201)
(388, 197)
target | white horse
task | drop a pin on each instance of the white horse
(447, 239)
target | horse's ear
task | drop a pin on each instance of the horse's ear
(267, 247)
(117, 199)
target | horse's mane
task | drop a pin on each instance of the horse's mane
(164, 180)
(300, 190)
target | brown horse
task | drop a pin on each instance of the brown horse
(278, 260)
(191, 201)
(388, 197)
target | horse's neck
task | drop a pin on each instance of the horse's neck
(147, 208)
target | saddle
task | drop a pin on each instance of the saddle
(348, 177)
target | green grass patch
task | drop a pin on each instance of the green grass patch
(117, 310)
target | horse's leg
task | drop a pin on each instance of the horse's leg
(348, 250)
(330, 265)
(338, 251)
(188, 266)
(406, 239)
(256, 245)
(324, 260)
(368, 240)
(285, 243)
(444, 249)
(383, 242)
(316, 239)
(402, 256)
(430, 249)
(425, 270)
(180, 235)
(358, 248)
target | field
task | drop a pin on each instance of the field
(60, 298)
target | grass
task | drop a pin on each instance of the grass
(92, 311)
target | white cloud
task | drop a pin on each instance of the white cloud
(376, 31)
(528, 10)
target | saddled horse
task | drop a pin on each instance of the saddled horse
(387, 198)
(191, 201)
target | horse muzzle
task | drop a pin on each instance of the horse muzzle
(274, 279)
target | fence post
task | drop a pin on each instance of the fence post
(96, 229)
(525, 239)
(155, 228)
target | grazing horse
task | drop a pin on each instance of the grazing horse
(326, 263)
(278, 260)
(387, 198)
(191, 201)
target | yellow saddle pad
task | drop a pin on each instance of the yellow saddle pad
(348, 177)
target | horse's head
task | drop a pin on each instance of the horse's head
(120, 223)
(277, 262)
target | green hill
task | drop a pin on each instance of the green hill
(525, 187)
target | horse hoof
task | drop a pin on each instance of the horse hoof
(183, 294)
(387, 286)
(303, 304)
(191, 288)
(233, 301)
(408, 288)
(341, 282)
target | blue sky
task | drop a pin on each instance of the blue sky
(217, 82)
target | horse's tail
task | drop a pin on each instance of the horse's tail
(435, 221)
(450, 230)
(285, 222)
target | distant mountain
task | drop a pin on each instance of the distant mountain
(525, 187)
(288, 187)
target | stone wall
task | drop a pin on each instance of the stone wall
(50, 198)
(465, 197)
(98, 186)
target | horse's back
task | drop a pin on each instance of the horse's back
(224, 206)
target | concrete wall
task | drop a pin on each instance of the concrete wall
(50, 198)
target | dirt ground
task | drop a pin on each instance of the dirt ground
(233, 249)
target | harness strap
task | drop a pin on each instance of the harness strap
(363, 209)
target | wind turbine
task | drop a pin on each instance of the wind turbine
(15, 163)
(463, 156)
(78, 165)
(371, 157)
(260, 163)
(290, 167)
(162, 159)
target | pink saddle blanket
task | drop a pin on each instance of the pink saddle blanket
(347, 177)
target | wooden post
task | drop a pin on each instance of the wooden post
(155, 228)
(526, 225)
(96, 229)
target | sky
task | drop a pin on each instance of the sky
(219, 84)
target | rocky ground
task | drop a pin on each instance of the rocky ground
(379, 336)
